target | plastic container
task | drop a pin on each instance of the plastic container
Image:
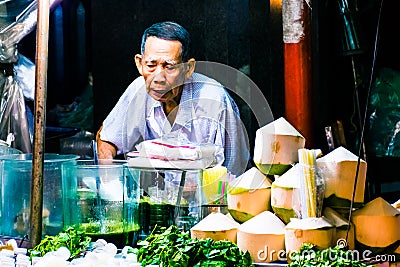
(103, 201)
(16, 177)
(164, 201)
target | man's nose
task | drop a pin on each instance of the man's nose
(159, 75)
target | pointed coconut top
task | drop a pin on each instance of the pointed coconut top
(309, 223)
(338, 155)
(279, 127)
(264, 223)
(334, 217)
(377, 207)
(290, 179)
(252, 179)
(216, 222)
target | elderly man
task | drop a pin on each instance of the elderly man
(169, 98)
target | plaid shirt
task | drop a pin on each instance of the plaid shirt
(206, 114)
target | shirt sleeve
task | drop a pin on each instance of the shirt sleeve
(114, 126)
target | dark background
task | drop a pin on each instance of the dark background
(235, 33)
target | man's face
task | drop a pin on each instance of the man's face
(160, 66)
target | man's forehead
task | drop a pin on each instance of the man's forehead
(157, 49)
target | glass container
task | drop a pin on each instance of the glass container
(16, 177)
(103, 201)
(166, 199)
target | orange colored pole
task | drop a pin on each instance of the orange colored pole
(296, 19)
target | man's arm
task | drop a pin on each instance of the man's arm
(105, 150)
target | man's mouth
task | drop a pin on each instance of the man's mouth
(160, 91)
(160, 94)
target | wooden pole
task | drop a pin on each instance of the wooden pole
(42, 37)
(296, 16)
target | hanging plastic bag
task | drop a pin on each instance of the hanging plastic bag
(13, 116)
(25, 75)
(21, 20)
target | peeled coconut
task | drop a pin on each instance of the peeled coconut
(318, 231)
(263, 236)
(342, 226)
(216, 226)
(339, 170)
(248, 195)
(276, 147)
(377, 226)
(285, 194)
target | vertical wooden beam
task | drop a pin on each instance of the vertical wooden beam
(42, 38)
(296, 16)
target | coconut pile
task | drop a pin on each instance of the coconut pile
(296, 195)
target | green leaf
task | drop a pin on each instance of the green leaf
(175, 248)
(74, 240)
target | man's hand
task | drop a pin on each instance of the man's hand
(105, 150)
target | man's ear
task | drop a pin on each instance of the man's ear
(191, 66)
(138, 62)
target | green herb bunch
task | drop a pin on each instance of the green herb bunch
(174, 248)
(76, 241)
(309, 256)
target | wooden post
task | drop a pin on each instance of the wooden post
(296, 19)
(42, 37)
